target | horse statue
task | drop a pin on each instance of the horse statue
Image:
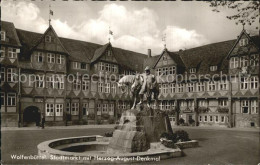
(135, 82)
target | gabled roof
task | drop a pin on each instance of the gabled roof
(255, 40)
(176, 58)
(10, 34)
(84, 51)
(50, 28)
(150, 61)
(99, 52)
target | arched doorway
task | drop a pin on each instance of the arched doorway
(31, 116)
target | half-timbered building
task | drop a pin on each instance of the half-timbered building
(74, 82)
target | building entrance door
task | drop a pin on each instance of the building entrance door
(31, 116)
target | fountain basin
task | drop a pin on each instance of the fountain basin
(93, 149)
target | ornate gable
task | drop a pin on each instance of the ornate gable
(50, 42)
(104, 53)
(164, 60)
(243, 45)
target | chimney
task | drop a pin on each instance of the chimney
(149, 53)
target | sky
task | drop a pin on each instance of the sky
(136, 26)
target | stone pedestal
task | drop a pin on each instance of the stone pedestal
(137, 129)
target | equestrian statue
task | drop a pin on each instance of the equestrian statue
(140, 85)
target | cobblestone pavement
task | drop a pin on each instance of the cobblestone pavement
(217, 146)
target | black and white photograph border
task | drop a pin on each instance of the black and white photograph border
(130, 82)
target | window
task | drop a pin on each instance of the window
(59, 110)
(107, 88)
(2, 98)
(190, 104)
(244, 83)
(2, 52)
(100, 87)
(49, 109)
(223, 85)
(2, 35)
(39, 57)
(113, 88)
(12, 52)
(244, 106)
(243, 42)
(74, 108)
(112, 109)
(76, 84)
(180, 88)
(108, 67)
(201, 86)
(11, 99)
(190, 87)
(205, 118)
(60, 81)
(222, 119)
(109, 53)
(172, 87)
(211, 86)
(60, 59)
(243, 61)
(40, 81)
(50, 57)
(2, 74)
(254, 60)
(183, 103)
(85, 85)
(192, 70)
(83, 66)
(233, 62)
(101, 66)
(99, 109)
(165, 88)
(114, 68)
(11, 72)
(105, 108)
(50, 81)
(68, 107)
(223, 102)
(211, 118)
(213, 68)
(172, 70)
(164, 58)
(254, 107)
(216, 119)
(76, 65)
(159, 72)
(203, 103)
(254, 82)
(48, 38)
(85, 109)
(200, 118)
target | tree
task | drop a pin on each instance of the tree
(246, 12)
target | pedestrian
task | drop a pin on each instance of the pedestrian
(43, 121)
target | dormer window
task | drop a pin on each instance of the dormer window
(2, 52)
(213, 68)
(243, 42)
(76, 65)
(83, 66)
(109, 53)
(2, 35)
(48, 38)
(164, 58)
(192, 70)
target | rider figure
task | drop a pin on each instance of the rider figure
(148, 86)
